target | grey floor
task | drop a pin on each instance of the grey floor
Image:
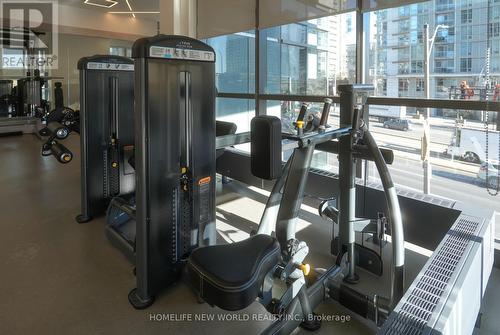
(59, 277)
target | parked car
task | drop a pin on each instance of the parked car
(399, 124)
(493, 168)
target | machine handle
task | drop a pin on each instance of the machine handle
(326, 112)
(186, 121)
(61, 153)
(113, 110)
(302, 113)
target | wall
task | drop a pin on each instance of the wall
(90, 22)
(85, 32)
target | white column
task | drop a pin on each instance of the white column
(178, 17)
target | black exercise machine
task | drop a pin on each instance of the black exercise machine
(171, 219)
(175, 127)
(175, 158)
(107, 132)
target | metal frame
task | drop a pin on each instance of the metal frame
(491, 106)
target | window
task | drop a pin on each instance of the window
(322, 39)
(310, 57)
(417, 66)
(495, 12)
(404, 11)
(404, 26)
(467, 32)
(446, 35)
(235, 73)
(238, 111)
(465, 64)
(466, 16)
(403, 68)
(444, 84)
(445, 51)
(403, 54)
(465, 49)
(494, 29)
(446, 19)
(403, 86)
(382, 86)
(495, 64)
(444, 5)
(295, 33)
(444, 66)
(235, 62)
(420, 85)
(495, 50)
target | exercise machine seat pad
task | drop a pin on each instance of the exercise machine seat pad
(265, 147)
(230, 276)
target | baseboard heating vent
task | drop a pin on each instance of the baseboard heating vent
(445, 297)
(324, 173)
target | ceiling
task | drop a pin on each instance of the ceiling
(137, 5)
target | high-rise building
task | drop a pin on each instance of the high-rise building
(468, 49)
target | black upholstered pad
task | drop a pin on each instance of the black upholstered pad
(230, 276)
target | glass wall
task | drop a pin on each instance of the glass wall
(309, 58)
(463, 62)
(235, 62)
(313, 57)
(237, 111)
(465, 51)
(235, 73)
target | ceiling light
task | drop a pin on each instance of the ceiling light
(134, 12)
(130, 8)
(101, 3)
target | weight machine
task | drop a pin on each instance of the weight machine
(272, 268)
(107, 132)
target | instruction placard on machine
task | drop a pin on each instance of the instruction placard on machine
(178, 53)
(110, 66)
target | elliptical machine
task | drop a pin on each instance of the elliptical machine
(272, 268)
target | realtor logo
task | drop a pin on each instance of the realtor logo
(29, 36)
